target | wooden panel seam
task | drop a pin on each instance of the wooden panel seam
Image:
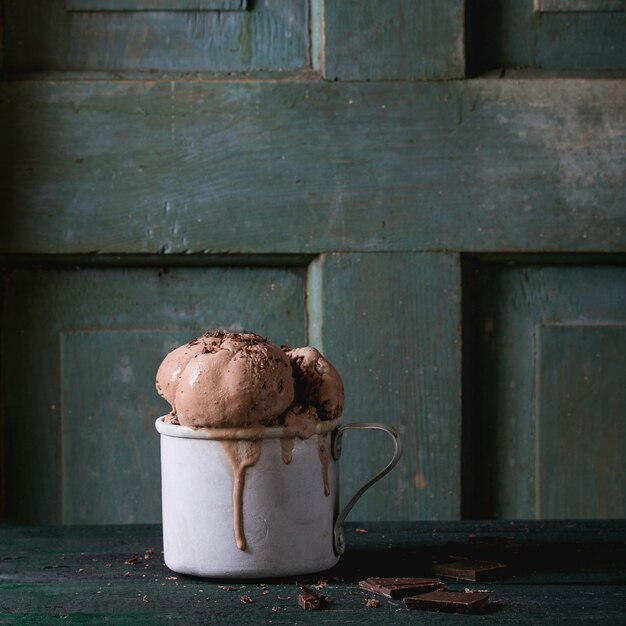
(155, 5)
(578, 6)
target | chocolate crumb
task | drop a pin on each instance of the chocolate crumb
(81, 570)
(148, 554)
(126, 573)
(246, 599)
(145, 598)
(360, 530)
(108, 565)
(226, 587)
(132, 560)
(372, 603)
(171, 578)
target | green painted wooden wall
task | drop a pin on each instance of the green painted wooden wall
(79, 398)
(429, 192)
(544, 408)
(559, 36)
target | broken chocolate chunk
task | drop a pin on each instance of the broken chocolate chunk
(469, 570)
(310, 600)
(450, 601)
(400, 587)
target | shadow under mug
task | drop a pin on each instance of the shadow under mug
(255, 502)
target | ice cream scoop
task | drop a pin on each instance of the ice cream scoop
(226, 380)
(317, 382)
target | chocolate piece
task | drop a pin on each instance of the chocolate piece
(400, 587)
(500, 549)
(310, 600)
(450, 601)
(372, 603)
(496, 541)
(469, 570)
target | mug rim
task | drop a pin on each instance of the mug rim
(255, 432)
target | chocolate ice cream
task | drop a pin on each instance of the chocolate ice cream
(317, 382)
(223, 381)
(226, 379)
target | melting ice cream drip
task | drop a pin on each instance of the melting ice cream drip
(243, 453)
(287, 444)
(323, 451)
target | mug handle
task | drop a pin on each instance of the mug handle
(338, 534)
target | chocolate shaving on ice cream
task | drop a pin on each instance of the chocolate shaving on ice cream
(227, 380)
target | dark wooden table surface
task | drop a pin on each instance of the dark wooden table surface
(559, 572)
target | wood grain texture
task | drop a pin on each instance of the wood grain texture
(110, 463)
(43, 36)
(80, 349)
(510, 390)
(78, 574)
(581, 430)
(203, 166)
(393, 39)
(389, 322)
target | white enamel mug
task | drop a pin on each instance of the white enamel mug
(279, 516)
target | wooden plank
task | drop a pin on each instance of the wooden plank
(156, 5)
(592, 41)
(273, 35)
(78, 574)
(389, 323)
(149, 167)
(392, 40)
(110, 456)
(503, 410)
(318, 34)
(581, 398)
(82, 387)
